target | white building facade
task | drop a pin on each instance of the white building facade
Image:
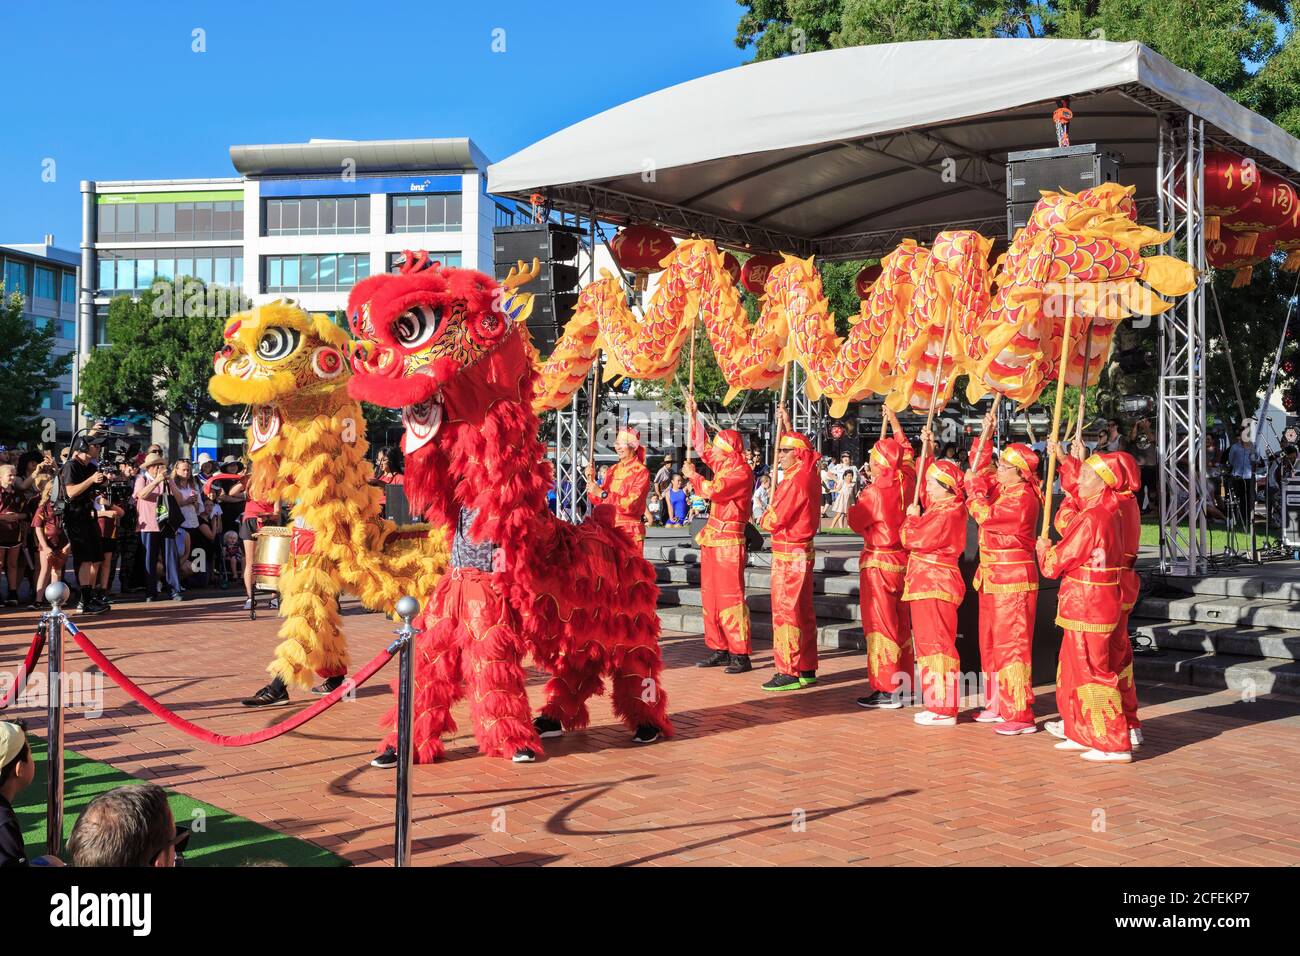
(303, 221)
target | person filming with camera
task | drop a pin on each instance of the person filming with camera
(80, 481)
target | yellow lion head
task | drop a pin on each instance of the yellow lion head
(278, 350)
(277, 353)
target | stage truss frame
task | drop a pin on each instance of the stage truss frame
(1181, 393)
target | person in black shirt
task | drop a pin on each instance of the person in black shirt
(80, 480)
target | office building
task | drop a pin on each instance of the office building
(46, 276)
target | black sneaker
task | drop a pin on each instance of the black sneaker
(329, 685)
(524, 755)
(386, 760)
(272, 695)
(646, 734)
(879, 700)
(783, 682)
(547, 727)
(739, 664)
(716, 659)
(807, 678)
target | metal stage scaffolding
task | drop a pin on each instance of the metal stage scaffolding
(1180, 398)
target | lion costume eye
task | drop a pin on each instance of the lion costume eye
(276, 344)
(416, 326)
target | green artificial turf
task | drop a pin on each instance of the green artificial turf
(225, 839)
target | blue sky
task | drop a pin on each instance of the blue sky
(114, 90)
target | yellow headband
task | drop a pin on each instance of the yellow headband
(1103, 470)
(1015, 459)
(789, 441)
(941, 476)
(722, 444)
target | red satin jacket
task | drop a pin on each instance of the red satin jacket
(1089, 560)
(1008, 520)
(878, 516)
(626, 486)
(795, 513)
(730, 492)
(935, 541)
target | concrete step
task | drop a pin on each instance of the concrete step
(836, 563)
(1203, 638)
(827, 607)
(760, 578)
(1279, 581)
(1243, 612)
(1251, 677)
(832, 635)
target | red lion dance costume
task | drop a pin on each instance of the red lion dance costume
(1006, 505)
(722, 547)
(793, 518)
(1089, 560)
(934, 586)
(580, 598)
(878, 515)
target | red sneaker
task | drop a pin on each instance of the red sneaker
(989, 715)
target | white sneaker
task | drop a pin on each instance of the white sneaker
(1070, 745)
(1102, 756)
(1056, 728)
(1135, 738)
(928, 719)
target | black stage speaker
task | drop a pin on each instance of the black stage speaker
(555, 247)
(1067, 167)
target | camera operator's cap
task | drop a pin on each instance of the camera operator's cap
(12, 740)
(153, 459)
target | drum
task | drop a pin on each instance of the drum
(270, 555)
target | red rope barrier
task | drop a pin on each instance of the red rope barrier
(207, 736)
(29, 663)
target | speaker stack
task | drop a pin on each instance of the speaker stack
(1064, 167)
(555, 289)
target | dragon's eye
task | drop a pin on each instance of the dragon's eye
(276, 344)
(416, 326)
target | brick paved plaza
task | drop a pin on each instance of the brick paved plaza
(752, 779)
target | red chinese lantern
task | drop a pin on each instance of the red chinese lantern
(638, 249)
(866, 278)
(1287, 239)
(754, 273)
(1273, 208)
(1220, 255)
(1231, 182)
(732, 267)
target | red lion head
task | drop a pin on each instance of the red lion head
(434, 342)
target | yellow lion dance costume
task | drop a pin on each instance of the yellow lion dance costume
(293, 368)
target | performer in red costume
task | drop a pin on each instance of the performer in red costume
(1089, 560)
(877, 515)
(793, 518)
(1006, 504)
(722, 544)
(934, 586)
(1121, 648)
(626, 485)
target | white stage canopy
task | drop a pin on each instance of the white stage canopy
(840, 153)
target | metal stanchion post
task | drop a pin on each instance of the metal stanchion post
(407, 608)
(57, 595)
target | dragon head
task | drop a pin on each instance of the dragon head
(442, 344)
(279, 360)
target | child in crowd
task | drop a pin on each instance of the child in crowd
(17, 770)
(234, 555)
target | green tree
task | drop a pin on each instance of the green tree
(159, 357)
(28, 369)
